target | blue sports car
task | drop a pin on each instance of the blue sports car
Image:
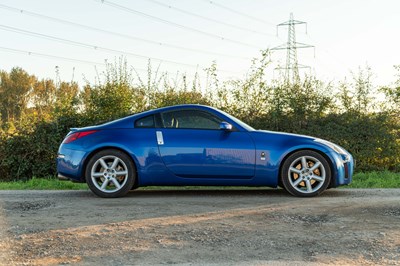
(198, 145)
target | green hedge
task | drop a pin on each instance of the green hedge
(371, 139)
(32, 150)
(350, 117)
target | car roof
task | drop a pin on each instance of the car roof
(122, 121)
(126, 122)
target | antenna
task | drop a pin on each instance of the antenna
(292, 65)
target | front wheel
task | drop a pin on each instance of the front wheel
(110, 173)
(305, 173)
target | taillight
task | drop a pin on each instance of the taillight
(78, 135)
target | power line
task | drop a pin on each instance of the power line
(95, 47)
(41, 16)
(328, 52)
(30, 53)
(239, 13)
(210, 19)
(50, 56)
(133, 11)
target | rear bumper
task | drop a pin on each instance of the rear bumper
(62, 177)
(70, 164)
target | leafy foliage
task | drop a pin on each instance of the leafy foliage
(14, 91)
(37, 114)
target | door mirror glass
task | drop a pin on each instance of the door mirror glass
(225, 126)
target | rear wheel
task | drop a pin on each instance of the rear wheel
(305, 173)
(110, 173)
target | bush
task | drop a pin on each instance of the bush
(32, 149)
(28, 145)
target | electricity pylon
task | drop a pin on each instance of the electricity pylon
(292, 65)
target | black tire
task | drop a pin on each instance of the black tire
(308, 181)
(115, 180)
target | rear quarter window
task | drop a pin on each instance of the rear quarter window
(145, 122)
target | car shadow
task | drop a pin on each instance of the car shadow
(224, 192)
(176, 192)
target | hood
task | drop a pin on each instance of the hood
(284, 134)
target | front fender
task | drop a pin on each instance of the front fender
(276, 147)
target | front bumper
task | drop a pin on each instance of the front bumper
(344, 168)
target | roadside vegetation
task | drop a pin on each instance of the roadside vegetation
(36, 114)
(381, 179)
(42, 184)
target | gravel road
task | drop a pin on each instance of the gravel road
(200, 227)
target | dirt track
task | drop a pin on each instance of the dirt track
(213, 227)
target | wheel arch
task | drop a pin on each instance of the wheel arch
(328, 159)
(93, 152)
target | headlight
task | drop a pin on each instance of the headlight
(345, 155)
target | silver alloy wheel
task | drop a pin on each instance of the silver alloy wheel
(109, 174)
(306, 174)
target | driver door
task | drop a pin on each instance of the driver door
(191, 145)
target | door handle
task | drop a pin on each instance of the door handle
(160, 139)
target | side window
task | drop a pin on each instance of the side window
(190, 119)
(145, 122)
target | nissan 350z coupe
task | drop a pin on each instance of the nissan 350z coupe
(198, 145)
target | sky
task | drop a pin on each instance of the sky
(76, 37)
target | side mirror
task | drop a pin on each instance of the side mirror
(225, 126)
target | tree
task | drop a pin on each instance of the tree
(392, 93)
(43, 97)
(14, 93)
(363, 90)
(111, 99)
(67, 98)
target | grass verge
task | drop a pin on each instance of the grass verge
(42, 184)
(384, 179)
